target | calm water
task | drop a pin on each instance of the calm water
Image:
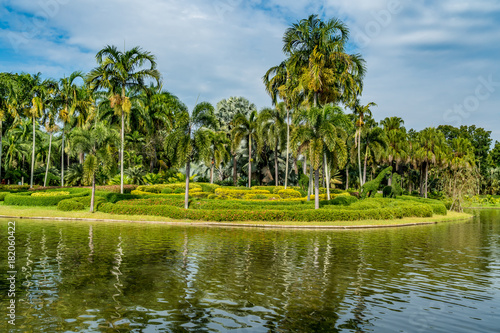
(108, 277)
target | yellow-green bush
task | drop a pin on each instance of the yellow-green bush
(49, 194)
(262, 196)
(158, 188)
(223, 193)
(289, 193)
(139, 192)
(69, 205)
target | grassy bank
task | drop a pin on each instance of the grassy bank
(51, 212)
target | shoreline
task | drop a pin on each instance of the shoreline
(267, 225)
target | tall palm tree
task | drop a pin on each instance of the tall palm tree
(219, 143)
(95, 142)
(431, 149)
(272, 129)
(246, 127)
(316, 51)
(50, 127)
(118, 71)
(189, 141)
(67, 99)
(374, 141)
(225, 113)
(360, 111)
(397, 151)
(316, 132)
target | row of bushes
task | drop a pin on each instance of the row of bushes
(79, 203)
(26, 199)
(320, 215)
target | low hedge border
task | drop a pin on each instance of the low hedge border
(310, 215)
(22, 199)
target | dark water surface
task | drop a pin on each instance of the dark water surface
(110, 277)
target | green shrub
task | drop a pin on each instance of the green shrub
(174, 187)
(167, 191)
(49, 193)
(340, 200)
(69, 205)
(263, 196)
(209, 188)
(3, 195)
(26, 199)
(289, 193)
(179, 190)
(225, 193)
(86, 201)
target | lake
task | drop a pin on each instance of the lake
(122, 277)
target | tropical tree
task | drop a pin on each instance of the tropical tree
(96, 143)
(219, 143)
(246, 127)
(118, 71)
(225, 113)
(189, 141)
(360, 112)
(272, 130)
(374, 142)
(397, 150)
(316, 132)
(67, 99)
(431, 149)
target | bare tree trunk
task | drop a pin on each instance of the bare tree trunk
(186, 195)
(33, 155)
(310, 188)
(287, 145)
(62, 158)
(122, 150)
(249, 161)
(92, 198)
(0, 151)
(48, 161)
(276, 163)
(235, 173)
(364, 171)
(212, 172)
(316, 189)
(359, 159)
(426, 177)
(327, 173)
(346, 177)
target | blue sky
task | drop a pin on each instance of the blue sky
(429, 62)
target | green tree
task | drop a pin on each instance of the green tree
(189, 141)
(273, 130)
(360, 112)
(397, 150)
(246, 127)
(118, 71)
(314, 133)
(96, 143)
(66, 98)
(225, 112)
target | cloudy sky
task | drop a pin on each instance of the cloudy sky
(429, 62)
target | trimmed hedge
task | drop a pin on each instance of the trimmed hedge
(340, 200)
(3, 195)
(289, 193)
(25, 199)
(70, 205)
(224, 193)
(268, 215)
(158, 188)
(50, 194)
(86, 201)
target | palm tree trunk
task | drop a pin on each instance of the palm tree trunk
(33, 155)
(186, 195)
(364, 171)
(359, 159)
(287, 146)
(327, 173)
(48, 160)
(122, 150)
(249, 161)
(426, 178)
(346, 177)
(62, 158)
(0, 151)
(235, 173)
(316, 189)
(310, 188)
(92, 197)
(212, 172)
(276, 163)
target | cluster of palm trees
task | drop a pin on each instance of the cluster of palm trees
(116, 123)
